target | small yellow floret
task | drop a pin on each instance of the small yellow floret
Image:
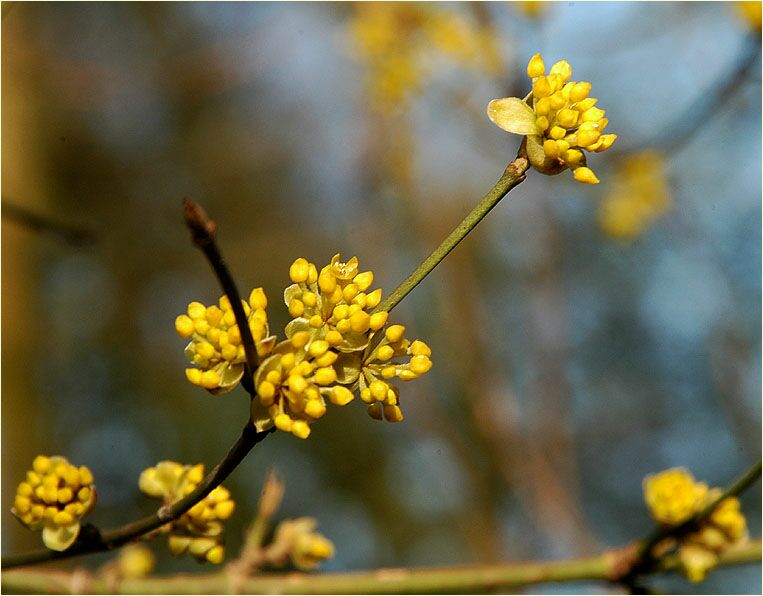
(585, 175)
(536, 68)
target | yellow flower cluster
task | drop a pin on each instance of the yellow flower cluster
(335, 335)
(215, 346)
(199, 531)
(559, 119)
(386, 360)
(53, 498)
(333, 305)
(397, 41)
(673, 497)
(640, 194)
(296, 540)
(531, 8)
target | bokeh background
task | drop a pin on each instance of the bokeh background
(582, 336)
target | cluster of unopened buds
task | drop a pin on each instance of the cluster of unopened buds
(216, 347)
(558, 119)
(673, 497)
(638, 195)
(336, 344)
(199, 531)
(54, 498)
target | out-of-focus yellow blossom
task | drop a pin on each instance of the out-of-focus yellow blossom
(135, 560)
(215, 347)
(696, 561)
(398, 40)
(728, 517)
(333, 305)
(199, 531)
(673, 497)
(558, 119)
(53, 498)
(640, 193)
(531, 8)
(750, 13)
(297, 541)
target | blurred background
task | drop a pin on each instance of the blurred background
(582, 336)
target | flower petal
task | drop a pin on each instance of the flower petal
(513, 115)
(60, 538)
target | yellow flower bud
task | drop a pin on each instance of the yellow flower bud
(184, 326)
(585, 175)
(563, 69)
(536, 68)
(300, 429)
(299, 270)
(580, 91)
(542, 87)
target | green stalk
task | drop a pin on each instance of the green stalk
(512, 176)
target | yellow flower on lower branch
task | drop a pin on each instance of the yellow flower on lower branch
(673, 497)
(199, 531)
(297, 541)
(216, 347)
(136, 560)
(53, 498)
(558, 120)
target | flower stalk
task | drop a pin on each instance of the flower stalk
(512, 176)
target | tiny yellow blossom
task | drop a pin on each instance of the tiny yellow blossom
(53, 498)
(639, 194)
(531, 8)
(556, 111)
(216, 347)
(696, 561)
(199, 531)
(673, 496)
(135, 560)
(298, 540)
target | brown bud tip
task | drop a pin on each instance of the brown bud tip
(201, 226)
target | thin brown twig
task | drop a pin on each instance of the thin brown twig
(93, 540)
(203, 231)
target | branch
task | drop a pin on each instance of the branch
(75, 235)
(92, 541)
(462, 579)
(203, 235)
(512, 176)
